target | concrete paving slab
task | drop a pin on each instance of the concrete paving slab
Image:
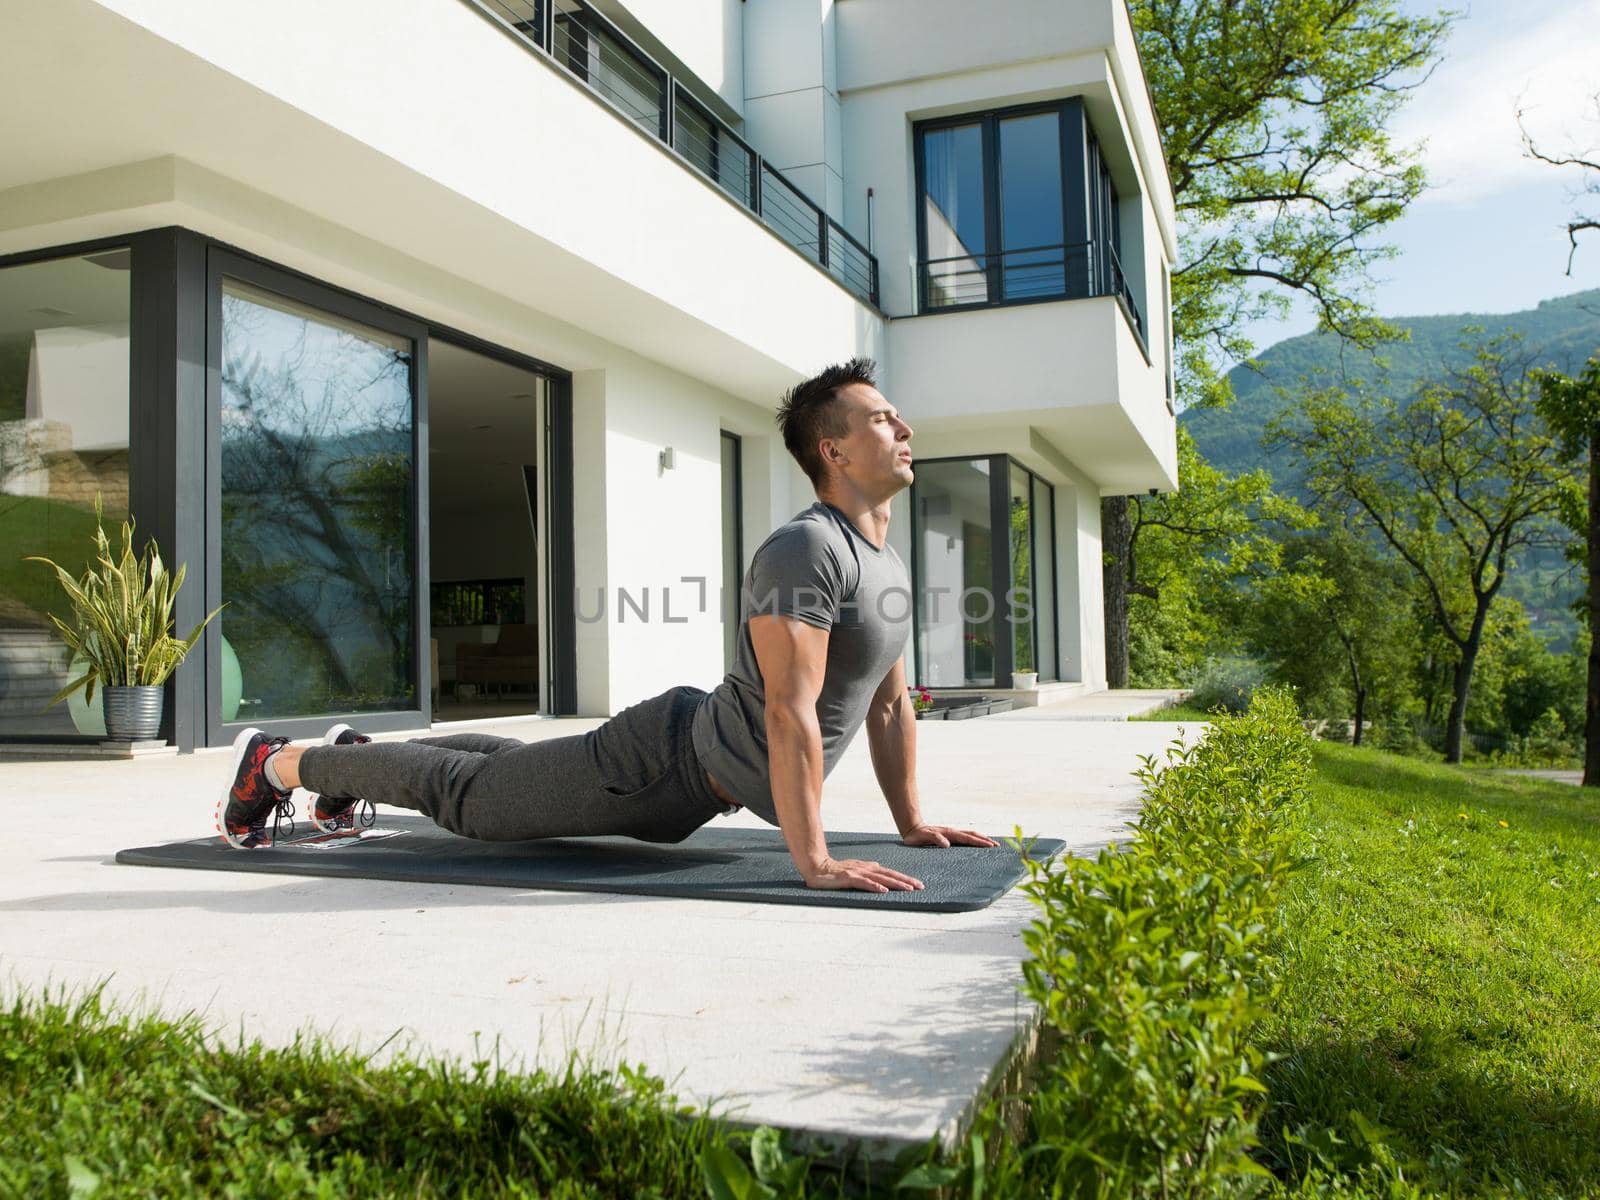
(1120, 705)
(864, 1029)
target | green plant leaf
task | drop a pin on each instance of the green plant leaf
(727, 1178)
(81, 1181)
(927, 1177)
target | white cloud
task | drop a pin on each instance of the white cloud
(1548, 54)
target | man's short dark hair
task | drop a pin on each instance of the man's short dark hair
(810, 411)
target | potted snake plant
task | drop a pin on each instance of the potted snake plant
(120, 633)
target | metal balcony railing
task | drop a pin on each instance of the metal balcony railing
(1063, 271)
(1119, 288)
(576, 38)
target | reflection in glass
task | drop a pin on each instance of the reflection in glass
(1031, 223)
(63, 439)
(1044, 550)
(954, 209)
(954, 540)
(1019, 513)
(318, 478)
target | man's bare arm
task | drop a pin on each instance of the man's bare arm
(892, 737)
(792, 657)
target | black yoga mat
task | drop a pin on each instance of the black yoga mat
(711, 864)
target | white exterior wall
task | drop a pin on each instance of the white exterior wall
(791, 109)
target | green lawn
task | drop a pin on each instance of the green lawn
(1176, 712)
(1442, 978)
(92, 1103)
(1438, 1026)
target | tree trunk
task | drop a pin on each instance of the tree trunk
(1361, 713)
(1114, 533)
(1455, 735)
(1591, 721)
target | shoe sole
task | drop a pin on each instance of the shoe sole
(328, 739)
(239, 745)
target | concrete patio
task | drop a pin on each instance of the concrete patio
(868, 1031)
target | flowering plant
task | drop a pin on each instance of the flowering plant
(921, 698)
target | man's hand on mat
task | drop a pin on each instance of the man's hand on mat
(854, 874)
(944, 836)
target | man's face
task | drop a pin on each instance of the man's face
(876, 453)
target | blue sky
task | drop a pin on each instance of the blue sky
(1489, 235)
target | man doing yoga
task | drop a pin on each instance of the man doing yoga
(826, 608)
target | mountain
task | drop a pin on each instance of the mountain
(1562, 333)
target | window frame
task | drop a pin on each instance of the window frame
(1085, 205)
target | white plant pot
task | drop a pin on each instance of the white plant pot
(1024, 681)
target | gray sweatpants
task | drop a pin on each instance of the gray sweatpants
(636, 775)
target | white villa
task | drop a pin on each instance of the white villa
(441, 339)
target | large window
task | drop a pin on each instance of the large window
(63, 442)
(1016, 205)
(983, 560)
(318, 483)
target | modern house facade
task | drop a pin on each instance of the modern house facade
(441, 339)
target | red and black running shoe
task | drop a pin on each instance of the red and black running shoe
(338, 814)
(244, 808)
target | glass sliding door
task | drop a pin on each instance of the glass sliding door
(1044, 577)
(983, 566)
(954, 547)
(1020, 597)
(64, 326)
(318, 493)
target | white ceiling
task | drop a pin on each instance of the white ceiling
(472, 468)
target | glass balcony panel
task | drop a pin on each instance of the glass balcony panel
(789, 214)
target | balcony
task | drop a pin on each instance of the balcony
(1029, 275)
(578, 40)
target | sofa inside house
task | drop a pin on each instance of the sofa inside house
(512, 661)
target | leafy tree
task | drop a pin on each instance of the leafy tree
(1192, 553)
(1274, 115)
(1571, 407)
(1459, 482)
(1336, 624)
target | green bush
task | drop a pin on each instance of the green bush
(1547, 744)
(1150, 966)
(1227, 683)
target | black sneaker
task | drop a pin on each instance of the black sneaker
(244, 808)
(338, 814)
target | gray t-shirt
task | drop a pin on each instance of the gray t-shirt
(819, 568)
